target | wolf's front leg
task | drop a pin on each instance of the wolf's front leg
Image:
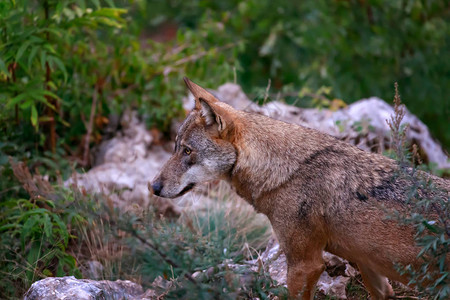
(303, 275)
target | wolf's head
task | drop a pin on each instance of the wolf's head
(203, 150)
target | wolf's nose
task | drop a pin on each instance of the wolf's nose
(157, 187)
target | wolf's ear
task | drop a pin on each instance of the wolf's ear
(209, 106)
(213, 114)
(199, 92)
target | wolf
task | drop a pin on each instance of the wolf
(318, 192)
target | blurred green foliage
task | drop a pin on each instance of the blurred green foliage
(65, 66)
(359, 48)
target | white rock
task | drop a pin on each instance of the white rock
(70, 288)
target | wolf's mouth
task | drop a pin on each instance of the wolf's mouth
(189, 187)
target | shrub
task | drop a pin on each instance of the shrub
(203, 254)
(35, 235)
(429, 214)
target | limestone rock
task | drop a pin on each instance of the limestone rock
(128, 144)
(125, 182)
(70, 288)
(124, 165)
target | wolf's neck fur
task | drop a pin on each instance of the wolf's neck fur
(283, 151)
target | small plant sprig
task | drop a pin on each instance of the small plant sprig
(398, 130)
(429, 213)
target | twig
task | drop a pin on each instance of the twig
(90, 127)
(122, 92)
(194, 57)
(406, 297)
(273, 258)
(187, 275)
(266, 95)
(292, 94)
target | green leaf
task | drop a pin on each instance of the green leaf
(63, 229)
(34, 116)
(43, 56)
(47, 226)
(7, 227)
(60, 66)
(27, 229)
(50, 203)
(70, 261)
(60, 270)
(429, 226)
(16, 100)
(44, 100)
(22, 49)
(109, 22)
(56, 31)
(96, 3)
(110, 3)
(65, 123)
(50, 94)
(43, 119)
(34, 253)
(109, 12)
(441, 279)
(3, 67)
(50, 48)
(32, 55)
(26, 104)
(32, 212)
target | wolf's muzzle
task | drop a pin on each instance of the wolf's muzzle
(157, 187)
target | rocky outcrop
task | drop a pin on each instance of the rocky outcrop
(70, 288)
(124, 165)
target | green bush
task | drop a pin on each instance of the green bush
(34, 243)
(35, 235)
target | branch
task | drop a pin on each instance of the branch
(292, 94)
(90, 127)
(194, 57)
(167, 259)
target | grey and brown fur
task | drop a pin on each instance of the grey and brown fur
(319, 193)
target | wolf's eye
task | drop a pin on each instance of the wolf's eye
(187, 151)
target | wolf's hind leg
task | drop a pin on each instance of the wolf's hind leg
(377, 285)
(302, 277)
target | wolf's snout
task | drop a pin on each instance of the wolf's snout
(157, 187)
